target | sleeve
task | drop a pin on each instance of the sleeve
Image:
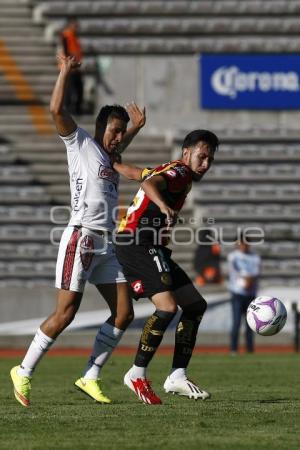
(253, 267)
(145, 173)
(256, 268)
(76, 141)
(176, 177)
(230, 260)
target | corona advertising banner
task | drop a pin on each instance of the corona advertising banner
(249, 81)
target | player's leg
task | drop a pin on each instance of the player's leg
(147, 272)
(151, 337)
(69, 295)
(193, 308)
(108, 277)
(236, 322)
(110, 333)
(67, 305)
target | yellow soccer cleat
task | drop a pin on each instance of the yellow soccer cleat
(22, 387)
(92, 388)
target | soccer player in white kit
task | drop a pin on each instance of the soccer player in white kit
(86, 251)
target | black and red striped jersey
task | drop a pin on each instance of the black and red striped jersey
(143, 217)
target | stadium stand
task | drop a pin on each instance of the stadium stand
(151, 26)
(237, 191)
(265, 195)
(33, 173)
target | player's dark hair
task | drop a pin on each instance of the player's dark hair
(109, 112)
(206, 136)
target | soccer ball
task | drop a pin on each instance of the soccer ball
(266, 315)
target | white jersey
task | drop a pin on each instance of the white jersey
(93, 183)
(243, 265)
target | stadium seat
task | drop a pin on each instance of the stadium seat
(13, 194)
(19, 233)
(24, 214)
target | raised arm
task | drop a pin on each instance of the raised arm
(63, 120)
(138, 120)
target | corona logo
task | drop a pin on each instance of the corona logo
(230, 81)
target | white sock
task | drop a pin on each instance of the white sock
(138, 372)
(177, 373)
(106, 340)
(38, 347)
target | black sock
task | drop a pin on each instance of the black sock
(152, 335)
(186, 333)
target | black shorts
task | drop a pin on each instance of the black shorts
(149, 269)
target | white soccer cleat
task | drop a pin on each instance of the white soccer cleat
(184, 386)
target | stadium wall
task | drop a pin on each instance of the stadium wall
(169, 87)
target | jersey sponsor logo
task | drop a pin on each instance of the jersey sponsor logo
(137, 286)
(106, 173)
(78, 189)
(171, 173)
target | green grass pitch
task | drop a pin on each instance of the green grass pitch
(255, 405)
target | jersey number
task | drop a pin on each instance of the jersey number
(162, 265)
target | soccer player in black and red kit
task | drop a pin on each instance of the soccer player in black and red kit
(141, 249)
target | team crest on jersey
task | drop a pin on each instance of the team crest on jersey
(109, 174)
(137, 286)
(86, 252)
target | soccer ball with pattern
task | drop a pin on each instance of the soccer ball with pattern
(266, 315)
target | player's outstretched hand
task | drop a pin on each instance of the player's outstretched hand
(137, 115)
(67, 62)
(171, 215)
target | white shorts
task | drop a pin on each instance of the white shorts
(84, 255)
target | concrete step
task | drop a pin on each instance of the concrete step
(34, 39)
(32, 214)
(17, 50)
(52, 178)
(24, 119)
(38, 88)
(58, 158)
(16, 129)
(35, 252)
(28, 69)
(38, 60)
(7, 158)
(21, 179)
(16, 3)
(27, 269)
(11, 111)
(63, 189)
(45, 64)
(9, 10)
(31, 78)
(15, 22)
(50, 169)
(140, 146)
(60, 199)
